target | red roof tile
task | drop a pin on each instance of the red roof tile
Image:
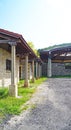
(10, 33)
(16, 35)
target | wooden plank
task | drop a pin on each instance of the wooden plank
(5, 41)
(61, 61)
(8, 41)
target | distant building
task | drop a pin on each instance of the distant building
(57, 60)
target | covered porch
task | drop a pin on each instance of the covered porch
(19, 51)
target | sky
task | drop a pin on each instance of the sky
(43, 22)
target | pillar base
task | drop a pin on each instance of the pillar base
(37, 78)
(33, 80)
(13, 90)
(26, 83)
(49, 76)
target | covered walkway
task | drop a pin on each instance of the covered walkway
(17, 61)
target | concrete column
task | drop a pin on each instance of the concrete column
(39, 70)
(49, 66)
(26, 83)
(13, 65)
(36, 70)
(33, 71)
(13, 87)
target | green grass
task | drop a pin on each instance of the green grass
(3, 92)
(11, 105)
(64, 76)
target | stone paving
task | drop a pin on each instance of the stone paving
(51, 108)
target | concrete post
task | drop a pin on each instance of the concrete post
(36, 70)
(39, 67)
(39, 70)
(26, 83)
(13, 65)
(13, 87)
(49, 65)
(33, 71)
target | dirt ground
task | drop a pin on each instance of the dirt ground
(51, 108)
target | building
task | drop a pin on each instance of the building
(17, 60)
(57, 60)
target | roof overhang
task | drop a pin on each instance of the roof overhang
(6, 37)
(57, 54)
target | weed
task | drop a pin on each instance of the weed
(12, 105)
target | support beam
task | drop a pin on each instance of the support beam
(49, 65)
(8, 41)
(33, 71)
(13, 86)
(5, 41)
(26, 83)
(61, 61)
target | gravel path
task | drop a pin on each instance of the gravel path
(51, 108)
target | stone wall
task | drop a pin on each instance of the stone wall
(5, 75)
(58, 69)
(23, 70)
(44, 69)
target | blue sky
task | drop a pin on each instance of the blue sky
(44, 22)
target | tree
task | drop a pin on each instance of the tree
(33, 48)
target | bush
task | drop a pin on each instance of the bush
(3, 92)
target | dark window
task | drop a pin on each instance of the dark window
(68, 66)
(8, 65)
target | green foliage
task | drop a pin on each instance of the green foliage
(11, 105)
(31, 45)
(63, 76)
(21, 83)
(3, 92)
(33, 48)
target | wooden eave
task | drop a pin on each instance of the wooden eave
(22, 46)
(56, 54)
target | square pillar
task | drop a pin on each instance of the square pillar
(49, 65)
(39, 70)
(33, 71)
(36, 70)
(26, 83)
(13, 87)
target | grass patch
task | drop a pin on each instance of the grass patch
(3, 92)
(64, 76)
(11, 105)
